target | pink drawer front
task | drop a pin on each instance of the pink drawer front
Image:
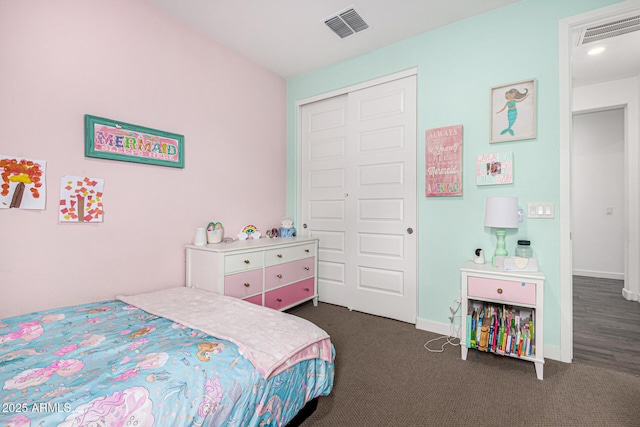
(241, 285)
(289, 295)
(289, 272)
(501, 290)
(256, 299)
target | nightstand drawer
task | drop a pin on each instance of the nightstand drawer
(291, 253)
(240, 285)
(501, 290)
(242, 262)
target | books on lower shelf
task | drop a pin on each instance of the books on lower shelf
(501, 329)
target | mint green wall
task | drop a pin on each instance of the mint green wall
(457, 65)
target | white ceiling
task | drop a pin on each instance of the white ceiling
(621, 59)
(290, 38)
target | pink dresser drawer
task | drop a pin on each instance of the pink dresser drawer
(241, 285)
(289, 295)
(256, 299)
(278, 275)
(501, 290)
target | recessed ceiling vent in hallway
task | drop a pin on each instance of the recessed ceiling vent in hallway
(346, 23)
(609, 30)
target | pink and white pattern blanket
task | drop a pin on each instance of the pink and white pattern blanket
(271, 340)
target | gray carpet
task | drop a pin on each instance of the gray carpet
(385, 377)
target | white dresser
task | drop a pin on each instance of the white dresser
(277, 273)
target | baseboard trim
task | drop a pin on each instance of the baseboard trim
(550, 351)
(599, 274)
(630, 296)
(437, 328)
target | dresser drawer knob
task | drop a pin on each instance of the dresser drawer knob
(279, 276)
(279, 255)
(246, 261)
(279, 299)
(307, 268)
(306, 250)
(500, 291)
(246, 285)
(306, 289)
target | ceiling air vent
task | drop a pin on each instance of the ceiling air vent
(346, 23)
(609, 30)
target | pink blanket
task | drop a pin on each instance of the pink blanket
(271, 340)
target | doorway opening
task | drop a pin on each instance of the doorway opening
(621, 93)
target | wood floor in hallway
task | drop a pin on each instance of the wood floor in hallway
(606, 327)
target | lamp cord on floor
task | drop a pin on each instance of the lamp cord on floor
(454, 335)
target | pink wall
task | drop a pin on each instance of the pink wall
(126, 60)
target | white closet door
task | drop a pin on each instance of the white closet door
(324, 170)
(382, 200)
(358, 160)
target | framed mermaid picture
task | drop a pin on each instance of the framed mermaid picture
(513, 111)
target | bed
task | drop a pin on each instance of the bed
(176, 357)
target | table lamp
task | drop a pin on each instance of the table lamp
(501, 213)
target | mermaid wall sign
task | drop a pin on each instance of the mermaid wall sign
(513, 111)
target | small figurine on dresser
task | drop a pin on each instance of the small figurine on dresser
(249, 232)
(286, 227)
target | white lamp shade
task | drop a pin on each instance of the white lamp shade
(501, 212)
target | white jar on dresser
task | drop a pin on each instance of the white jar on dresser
(277, 273)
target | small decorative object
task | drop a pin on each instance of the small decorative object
(444, 161)
(250, 231)
(494, 168)
(273, 233)
(501, 213)
(286, 227)
(513, 111)
(523, 249)
(109, 139)
(215, 232)
(200, 238)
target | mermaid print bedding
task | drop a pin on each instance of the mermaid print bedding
(114, 364)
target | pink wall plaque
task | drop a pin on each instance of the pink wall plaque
(444, 161)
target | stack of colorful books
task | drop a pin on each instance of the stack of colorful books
(503, 330)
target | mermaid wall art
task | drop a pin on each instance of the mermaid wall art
(513, 111)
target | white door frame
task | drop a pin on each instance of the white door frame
(566, 28)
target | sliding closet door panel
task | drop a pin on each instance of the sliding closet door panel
(382, 212)
(323, 184)
(358, 196)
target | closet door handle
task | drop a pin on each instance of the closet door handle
(409, 230)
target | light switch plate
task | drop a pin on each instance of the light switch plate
(541, 210)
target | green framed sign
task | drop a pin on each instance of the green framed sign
(113, 140)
